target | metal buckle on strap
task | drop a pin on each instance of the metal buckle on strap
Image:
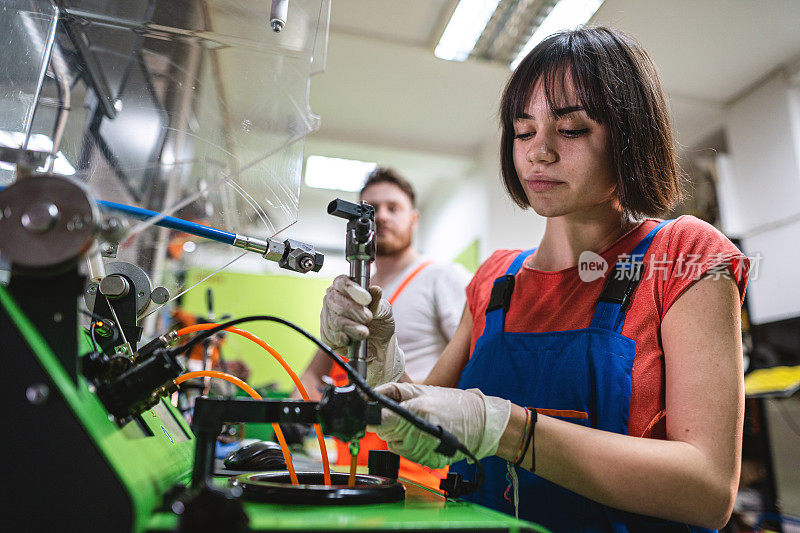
(501, 294)
(622, 282)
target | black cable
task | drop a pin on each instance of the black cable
(95, 317)
(448, 443)
(91, 335)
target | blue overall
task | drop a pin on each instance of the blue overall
(585, 372)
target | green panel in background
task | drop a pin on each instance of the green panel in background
(470, 257)
(294, 298)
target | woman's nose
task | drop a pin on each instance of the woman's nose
(540, 151)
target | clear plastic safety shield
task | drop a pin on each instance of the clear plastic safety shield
(193, 109)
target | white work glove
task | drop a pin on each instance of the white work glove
(351, 313)
(478, 421)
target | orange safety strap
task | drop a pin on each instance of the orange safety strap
(406, 281)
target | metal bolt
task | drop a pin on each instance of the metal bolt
(92, 289)
(286, 410)
(160, 295)
(114, 286)
(40, 217)
(306, 263)
(38, 393)
(58, 317)
(277, 25)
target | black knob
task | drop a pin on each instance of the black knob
(384, 463)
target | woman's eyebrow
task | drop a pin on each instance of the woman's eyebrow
(560, 112)
(567, 110)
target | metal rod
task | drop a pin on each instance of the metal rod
(359, 272)
(51, 39)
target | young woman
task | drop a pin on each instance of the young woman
(615, 397)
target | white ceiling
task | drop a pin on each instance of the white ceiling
(384, 94)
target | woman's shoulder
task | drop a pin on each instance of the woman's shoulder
(493, 267)
(500, 260)
(689, 234)
(692, 224)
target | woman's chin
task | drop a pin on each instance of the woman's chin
(547, 209)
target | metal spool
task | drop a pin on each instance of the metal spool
(138, 277)
(45, 221)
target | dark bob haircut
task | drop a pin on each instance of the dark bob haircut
(389, 175)
(618, 85)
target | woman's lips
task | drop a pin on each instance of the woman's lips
(542, 185)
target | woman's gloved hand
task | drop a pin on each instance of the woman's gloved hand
(351, 313)
(478, 421)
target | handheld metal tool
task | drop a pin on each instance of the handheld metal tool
(360, 253)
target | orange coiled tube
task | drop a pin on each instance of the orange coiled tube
(326, 469)
(252, 392)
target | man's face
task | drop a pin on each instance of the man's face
(395, 217)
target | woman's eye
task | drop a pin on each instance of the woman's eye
(524, 136)
(574, 133)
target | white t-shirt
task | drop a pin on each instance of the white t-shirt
(427, 312)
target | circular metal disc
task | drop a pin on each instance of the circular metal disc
(44, 243)
(141, 284)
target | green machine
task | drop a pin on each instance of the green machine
(121, 169)
(75, 468)
(96, 447)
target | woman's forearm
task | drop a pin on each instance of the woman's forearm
(665, 479)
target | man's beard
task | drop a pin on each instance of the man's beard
(391, 247)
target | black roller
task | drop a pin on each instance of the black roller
(276, 487)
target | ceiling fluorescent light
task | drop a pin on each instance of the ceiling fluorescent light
(565, 15)
(465, 27)
(338, 174)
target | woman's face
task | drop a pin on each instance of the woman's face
(562, 159)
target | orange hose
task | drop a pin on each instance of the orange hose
(351, 479)
(252, 392)
(326, 469)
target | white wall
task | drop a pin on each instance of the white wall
(760, 192)
(764, 154)
(453, 217)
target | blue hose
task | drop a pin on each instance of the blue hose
(178, 224)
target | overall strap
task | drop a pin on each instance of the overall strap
(502, 290)
(405, 282)
(612, 306)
